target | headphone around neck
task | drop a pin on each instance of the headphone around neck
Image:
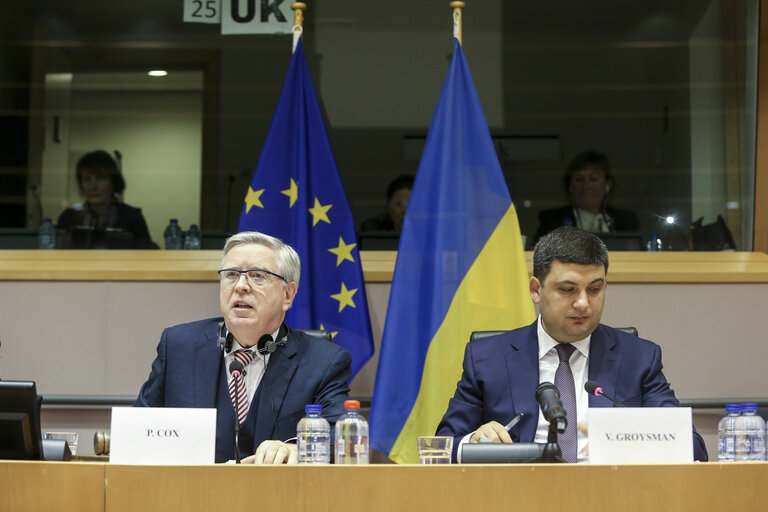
(266, 344)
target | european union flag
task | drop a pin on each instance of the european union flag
(297, 196)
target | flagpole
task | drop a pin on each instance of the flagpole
(298, 22)
(457, 7)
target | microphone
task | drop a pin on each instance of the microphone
(548, 397)
(592, 388)
(236, 371)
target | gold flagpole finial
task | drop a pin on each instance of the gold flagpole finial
(298, 21)
(457, 7)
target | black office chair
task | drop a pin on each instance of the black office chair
(317, 333)
(476, 335)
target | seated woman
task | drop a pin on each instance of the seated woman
(588, 181)
(100, 181)
(398, 195)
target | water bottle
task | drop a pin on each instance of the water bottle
(192, 240)
(351, 436)
(654, 244)
(173, 235)
(313, 435)
(46, 236)
(726, 434)
(754, 428)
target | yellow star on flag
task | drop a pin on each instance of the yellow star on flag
(333, 333)
(344, 297)
(343, 252)
(252, 199)
(319, 212)
(292, 192)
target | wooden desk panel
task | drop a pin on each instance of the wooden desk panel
(378, 266)
(51, 486)
(461, 488)
(48, 486)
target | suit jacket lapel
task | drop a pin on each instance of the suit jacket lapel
(604, 364)
(523, 370)
(207, 368)
(272, 389)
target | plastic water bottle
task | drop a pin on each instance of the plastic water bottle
(173, 236)
(192, 240)
(654, 244)
(726, 440)
(314, 437)
(351, 436)
(46, 236)
(753, 430)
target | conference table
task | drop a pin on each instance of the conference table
(100, 486)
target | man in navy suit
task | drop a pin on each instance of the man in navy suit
(501, 372)
(259, 278)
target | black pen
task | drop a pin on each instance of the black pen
(514, 421)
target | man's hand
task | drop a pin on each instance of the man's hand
(274, 452)
(584, 429)
(493, 431)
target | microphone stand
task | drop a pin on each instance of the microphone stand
(552, 451)
(237, 432)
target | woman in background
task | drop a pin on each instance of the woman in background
(398, 195)
(588, 181)
(100, 182)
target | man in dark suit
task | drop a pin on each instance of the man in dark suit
(501, 373)
(283, 370)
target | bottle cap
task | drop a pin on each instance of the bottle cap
(732, 407)
(749, 407)
(351, 404)
(313, 408)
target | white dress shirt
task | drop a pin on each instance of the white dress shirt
(254, 372)
(548, 362)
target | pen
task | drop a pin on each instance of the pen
(514, 421)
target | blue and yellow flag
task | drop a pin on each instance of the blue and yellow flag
(460, 268)
(297, 196)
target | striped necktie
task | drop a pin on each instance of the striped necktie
(569, 443)
(237, 390)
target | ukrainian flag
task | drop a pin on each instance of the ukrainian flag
(460, 268)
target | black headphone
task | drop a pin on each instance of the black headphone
(225, 340)
(266, 344)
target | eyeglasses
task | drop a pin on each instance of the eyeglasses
(255, 276)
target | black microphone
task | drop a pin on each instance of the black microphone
(548, 397)
(236, 371)
(592, 388)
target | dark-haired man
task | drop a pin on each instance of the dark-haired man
(501, 373)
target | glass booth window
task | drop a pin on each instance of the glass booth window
(633, 119)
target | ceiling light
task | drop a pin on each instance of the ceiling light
(158, 72)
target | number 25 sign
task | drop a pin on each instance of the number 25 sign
(202, 11)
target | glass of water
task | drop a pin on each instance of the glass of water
(69, 437)
(435, 449)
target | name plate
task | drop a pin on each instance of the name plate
(162, 436)
(640, 435)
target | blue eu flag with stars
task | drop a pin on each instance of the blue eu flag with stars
(296, 195)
